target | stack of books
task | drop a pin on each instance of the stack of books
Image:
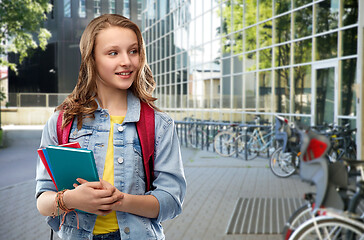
(66, 163)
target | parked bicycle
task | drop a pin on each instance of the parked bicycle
(239, 141)
(284, 161)
(331, 180)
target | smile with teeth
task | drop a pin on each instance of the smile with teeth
(124, 73)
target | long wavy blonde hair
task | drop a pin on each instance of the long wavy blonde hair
(81, 102)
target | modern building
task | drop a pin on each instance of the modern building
(231, 60)
(55, 70)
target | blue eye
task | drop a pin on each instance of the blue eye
(134, 51)
(113, 53)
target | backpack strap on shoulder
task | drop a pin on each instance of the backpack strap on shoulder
(146, 132)
(63, 133)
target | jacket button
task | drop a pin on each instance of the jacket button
(127, 230)
(120, 160)
(121, 128)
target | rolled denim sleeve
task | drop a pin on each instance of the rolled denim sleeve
(49, 137)
(170, 182)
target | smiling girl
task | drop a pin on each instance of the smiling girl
(114, 79)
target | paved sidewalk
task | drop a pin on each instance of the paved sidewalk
(214, 186)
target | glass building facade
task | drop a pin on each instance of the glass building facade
(233, 60)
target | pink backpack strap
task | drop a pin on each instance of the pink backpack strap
(63, 133)
(146, 132)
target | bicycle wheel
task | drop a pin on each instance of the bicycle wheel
(224, 144)
(301, 215)
(281, 163)
(247, 146)
(328, 228)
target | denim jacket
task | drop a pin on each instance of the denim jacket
(169, 183)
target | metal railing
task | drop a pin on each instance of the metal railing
(35, 99)
(210, 130)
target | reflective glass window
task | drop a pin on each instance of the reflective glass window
(282, 90)
(300, 3)
(303, 22)
(327, 13)
(237, 42)
(350, 12)
(238, 91)
(265, 58)
(282, 55)
(265, 9)
(265, 91)
(126, 8)
(81, 8)
(216, 91)
(302, 90)
(67, 8)
(112, 6)
(250, 13)
(283, 29)
(302, 51)
(265, 34)
(349, 41)
(97, 8)
(226, 91)
(347, 104)
(326, 46)
(251, 39)
(250, 61)
(250, 91)
(282, 6)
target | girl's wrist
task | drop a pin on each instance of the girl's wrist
(67, 199)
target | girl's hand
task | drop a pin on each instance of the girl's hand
(92, 197)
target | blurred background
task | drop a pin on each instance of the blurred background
(225, 61)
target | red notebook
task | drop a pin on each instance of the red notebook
(44, 159)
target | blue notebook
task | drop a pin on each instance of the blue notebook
(68, 164)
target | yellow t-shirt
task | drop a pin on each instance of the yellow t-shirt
(109, 223)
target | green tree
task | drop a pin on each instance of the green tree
(21, 27)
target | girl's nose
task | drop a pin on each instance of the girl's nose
(124, 59)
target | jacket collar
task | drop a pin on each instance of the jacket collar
(133, 111)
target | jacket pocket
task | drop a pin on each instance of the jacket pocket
(81, 136)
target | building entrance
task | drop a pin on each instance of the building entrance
(325, 103)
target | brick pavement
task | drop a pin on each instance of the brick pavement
(214, 185)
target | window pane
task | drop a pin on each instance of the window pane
(251, 39)
(302, 90)
(283, 29)
(350, 12)
(347, 105)
(282, 90)
(238, 43)
(303, 22)
(282, 6)
(250, 14)
(81, 9)
(326, 46)
(250, 91)
(251, 63)
(282, 54)
(97, 11)
(216, 92)
(67, 8)
(265, 58)
(265, 91)
(265, 9)
(303, 51)
(349, 43)
(327, 13)
(265, 34)
(238, 92)
(226, 92)
(299, 3)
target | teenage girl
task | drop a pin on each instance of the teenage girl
(105, 105)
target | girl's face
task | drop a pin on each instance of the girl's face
(117, 58)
